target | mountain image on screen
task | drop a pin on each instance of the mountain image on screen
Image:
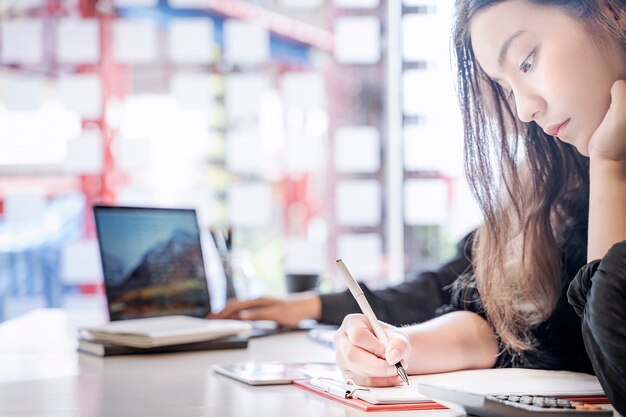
(169, 279)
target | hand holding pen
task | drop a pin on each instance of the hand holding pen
(360, 353)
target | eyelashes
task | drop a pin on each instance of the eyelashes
(529, 62)
(526, 66)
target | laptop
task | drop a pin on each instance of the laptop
(152, 262)
(153, 265)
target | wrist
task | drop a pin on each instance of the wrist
(415, 338)
(309, 305)
(607, 168)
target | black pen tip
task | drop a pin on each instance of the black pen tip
(402, 373)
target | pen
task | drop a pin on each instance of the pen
(357, 292)
(331, 387)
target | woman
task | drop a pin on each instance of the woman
(542, 89)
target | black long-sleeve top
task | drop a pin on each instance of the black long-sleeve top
(558, 340)
(413, 301)
(598, 295)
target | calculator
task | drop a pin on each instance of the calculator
(513, 405)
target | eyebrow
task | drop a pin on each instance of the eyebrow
(505, 46)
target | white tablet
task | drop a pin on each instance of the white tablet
(274, 373)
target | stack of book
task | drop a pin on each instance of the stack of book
(163, 334)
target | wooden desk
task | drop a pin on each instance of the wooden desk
(42, 375)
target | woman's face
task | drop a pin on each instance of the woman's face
(556, 73)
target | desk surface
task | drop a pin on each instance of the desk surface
(42, 375)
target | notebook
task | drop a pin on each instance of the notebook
(163, 331)
(368, 399)
(483, 381)
(517, 381)
(97, 348)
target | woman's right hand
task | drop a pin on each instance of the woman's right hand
(364, 359)
(286, 312)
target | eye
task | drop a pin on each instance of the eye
(528, 63)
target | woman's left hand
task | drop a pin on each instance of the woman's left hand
(608, 142)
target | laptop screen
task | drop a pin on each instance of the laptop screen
(152, 262)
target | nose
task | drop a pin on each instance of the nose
(528, 104)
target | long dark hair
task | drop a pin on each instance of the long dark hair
(526, 183)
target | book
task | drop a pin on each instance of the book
(97, 348)
(163, 331)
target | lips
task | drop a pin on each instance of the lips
(554, 130)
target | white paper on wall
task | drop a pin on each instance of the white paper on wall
(78, 41)
(133, 154)
(243, 95)
(85, 154)
(356, 4)
(135, 3)
(425, 202)
(22, 41)
(419, 92)
(22, 93)
(244, 151)
(134, 41)
(426, 149)
(250, 205)
(137, 119)
(305, 154)
(80, 262)
(192, 90)
(28, 4)
(303, 91)
(137, 195)
(357, 40)
(357, 149)
(190, 41)
(245, 43)
(303, 255)
(418, 30)
(24, 206)
(415, 3)
(362, 253)
(358, 203)
(82, 93)
(188, 4)
(40, 137)
(302, 4)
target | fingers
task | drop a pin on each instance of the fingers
(234, 308)
(271, 312)
(373, 381)
(363, 363)
(360, 334)
(618, 92)
(618, 98)
(397, 349)
(360, 354)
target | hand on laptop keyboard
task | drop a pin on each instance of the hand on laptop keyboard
(286, 312)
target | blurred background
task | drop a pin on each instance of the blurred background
(315, 129)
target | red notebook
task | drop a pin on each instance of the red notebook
(366, 406)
